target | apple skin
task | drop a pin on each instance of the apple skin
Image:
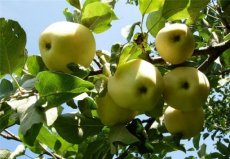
(175, 43)
(111, 114)
(186, 88)
(62, 43)
(136, 85)
(188, 124)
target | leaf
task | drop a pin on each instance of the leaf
(8, 117)
(28, 112)
(196, 142)
(129, 51)
(98, 16)
(4, 154)
(78, 70)
(121, 134)
(225, 58)
(19, 151)
(202, 151)
(75, 3)
(148, 6)
(51, 115)
(222, 148)
(155, 21)
(12, 47)
(128, 31)
(55, 142)
(57, 88)
(34, 65)
(6, 88)
(86, 105)
(191, 12)
(74, 128)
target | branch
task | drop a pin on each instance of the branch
(10, 136)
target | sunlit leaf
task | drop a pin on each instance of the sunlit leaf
(98, 16)
(148, 6)
(34, 65)
(12, 47)
(57, 88)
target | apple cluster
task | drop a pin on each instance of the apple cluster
(185, 88)
(137, 87)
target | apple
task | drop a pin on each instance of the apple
(188, 124)
(63, 43)
(175, 43)
(186, 88)
(112, 114)
(136, 85)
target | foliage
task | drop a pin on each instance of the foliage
(37, 99)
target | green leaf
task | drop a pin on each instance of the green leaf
(202, 151)
(120, 133)
(6, 88)
(29, 137)
(4, 154)
(129, 51)
(74, 128)
(86, 106)
(75, 3)
(57, 88)
(55, 142)
(196, 142)
(12, 47)
(191, 12)
(78, 70)
(27, 111)
(8, 116)
(169, 8)
(155, 21)
(222, 148)
(34, 65)
(148, 6)
(225, 4)
(98, 16)
(128, 31)
(225, 58)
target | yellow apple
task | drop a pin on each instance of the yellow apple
(110, 113)
(175, 43)
(188, 124)
(63, 42)
(136, 85)
(186, 88)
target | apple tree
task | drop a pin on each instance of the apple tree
(56, 112)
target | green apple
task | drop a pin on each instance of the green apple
(175, 43)
(110, 113)
(188, 124)
(186, 88)
(63, 42)
(136, 85)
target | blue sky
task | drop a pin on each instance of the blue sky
(35, 15)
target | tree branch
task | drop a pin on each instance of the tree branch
(10, 136)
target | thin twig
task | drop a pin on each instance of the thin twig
(10, 136)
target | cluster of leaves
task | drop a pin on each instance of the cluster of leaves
(56, 112)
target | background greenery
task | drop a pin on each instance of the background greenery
(38, 106)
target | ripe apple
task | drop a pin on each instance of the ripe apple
(188, 124)
(186, 88)
(63, 42)
(136, 85)
(110, 113)
(175, 43)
